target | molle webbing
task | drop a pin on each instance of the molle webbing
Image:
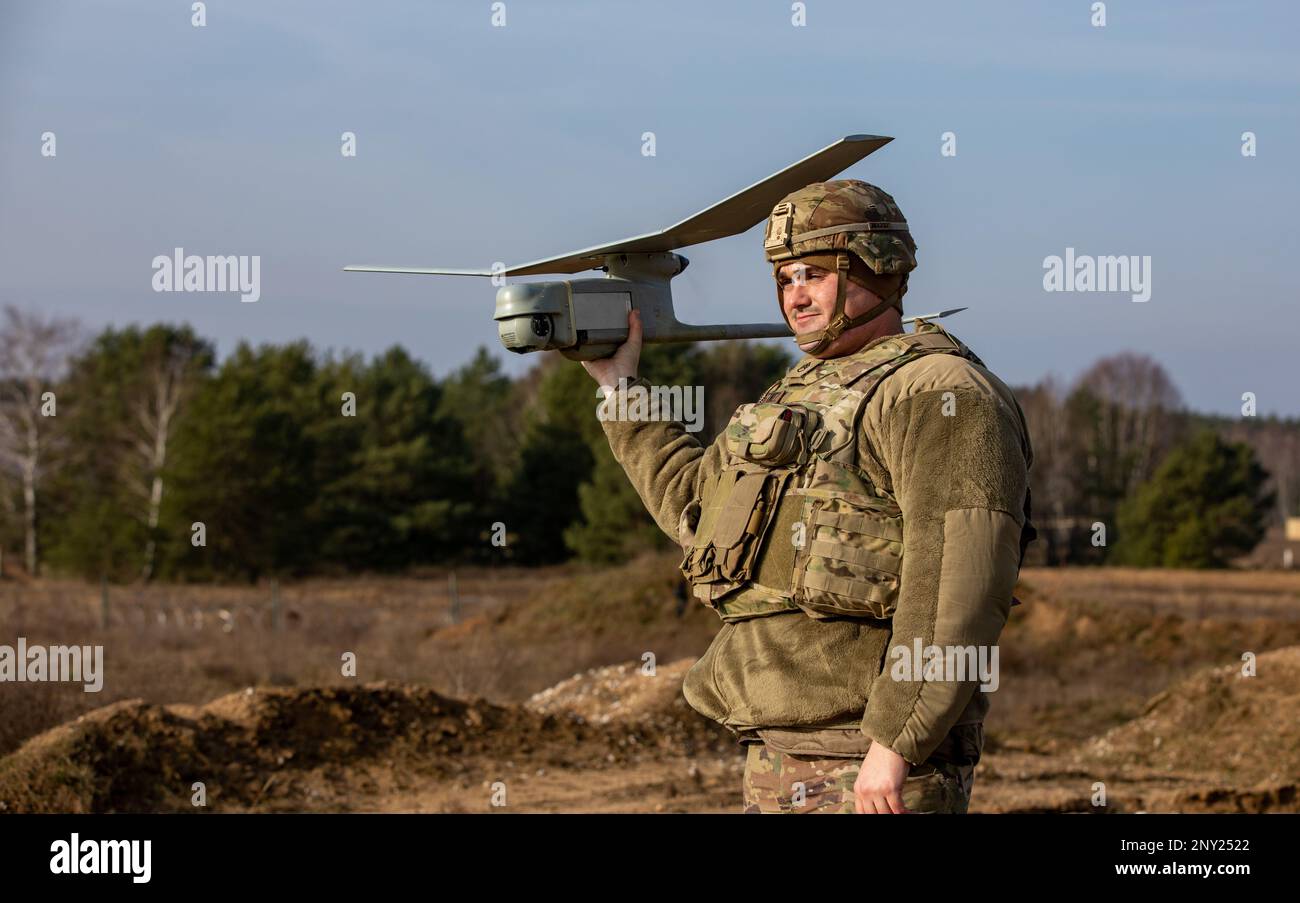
(768, 584)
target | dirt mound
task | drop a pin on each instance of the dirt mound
(279, 746)
(1245, 729)
(624, 695)
(288, 748)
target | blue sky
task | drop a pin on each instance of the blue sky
(477, 144)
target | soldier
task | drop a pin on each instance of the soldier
(872, 504)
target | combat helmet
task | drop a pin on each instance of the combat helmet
(846, 218)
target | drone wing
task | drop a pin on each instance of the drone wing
(730, 216)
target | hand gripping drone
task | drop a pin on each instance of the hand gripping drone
(585, 319)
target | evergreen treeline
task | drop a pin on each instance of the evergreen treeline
(138, 455)
(154, 460)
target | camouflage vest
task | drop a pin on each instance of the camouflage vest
(792, 522)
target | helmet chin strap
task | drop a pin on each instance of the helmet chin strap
(840, 323)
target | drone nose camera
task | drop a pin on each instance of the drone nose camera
(523, 333)
(533, 317)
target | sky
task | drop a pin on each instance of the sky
(478, 143)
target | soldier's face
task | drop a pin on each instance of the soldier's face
(807, 296)
(808, 301)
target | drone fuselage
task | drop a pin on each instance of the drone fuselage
(586, 319)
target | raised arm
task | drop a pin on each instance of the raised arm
(665, 463)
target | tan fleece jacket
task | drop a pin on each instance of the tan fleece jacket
(947, 439)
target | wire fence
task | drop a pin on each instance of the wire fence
(231, 609)
(120, 607)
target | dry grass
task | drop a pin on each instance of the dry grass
(1084, 653)
(1090, 646)
(392, 625)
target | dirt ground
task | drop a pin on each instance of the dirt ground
(541, 701)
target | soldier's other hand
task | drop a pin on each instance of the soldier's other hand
(879, 787)
(622, 364)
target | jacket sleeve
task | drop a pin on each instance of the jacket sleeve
(665, 463)
(958, 462)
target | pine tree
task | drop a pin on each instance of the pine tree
(394, 474)
(244, 468)
(1204, 506)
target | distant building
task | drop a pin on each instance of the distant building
(1292, 539)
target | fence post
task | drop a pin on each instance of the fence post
(275, 604)
(103, 602)
(455, 597)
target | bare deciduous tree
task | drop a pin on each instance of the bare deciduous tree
(34, 351)
(165, 381)
(1277, 444)
(1138, 416)
(1053, 491)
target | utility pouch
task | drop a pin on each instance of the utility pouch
(771, 434)
(851, 560)
(737, 509)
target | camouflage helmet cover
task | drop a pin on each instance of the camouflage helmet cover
(799, 223)
(848, 218)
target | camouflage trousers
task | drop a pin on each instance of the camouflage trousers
(777, 782)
